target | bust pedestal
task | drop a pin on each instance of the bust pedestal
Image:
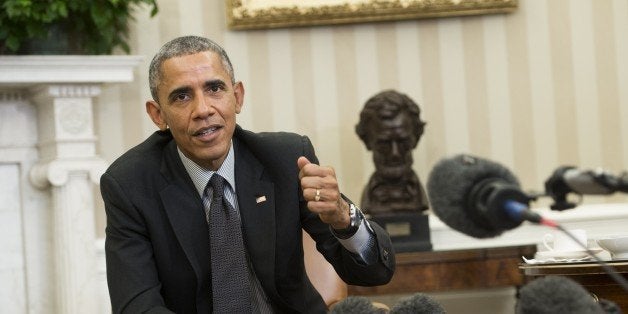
(409, 232)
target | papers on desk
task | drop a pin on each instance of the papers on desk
(546, 257)
(553, 260)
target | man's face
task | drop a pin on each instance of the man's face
(198, 102)
(392, 143)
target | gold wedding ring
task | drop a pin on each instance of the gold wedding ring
(318, 195)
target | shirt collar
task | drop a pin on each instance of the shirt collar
(200, 176)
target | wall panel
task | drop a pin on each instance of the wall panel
(534, 89)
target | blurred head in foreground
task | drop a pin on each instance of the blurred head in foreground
(556, 295)
(358, 305)
(418, 304)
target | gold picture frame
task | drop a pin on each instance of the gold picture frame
(264, 14)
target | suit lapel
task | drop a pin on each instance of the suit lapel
(185, 213)
(256, 199)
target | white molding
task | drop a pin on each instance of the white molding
(57, 172)
(47, 109)
(26, 70)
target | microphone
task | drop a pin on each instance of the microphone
(418, 304)
(555, 294)
(481, 198)
(356, 305)
(568, 179)
(478, 197)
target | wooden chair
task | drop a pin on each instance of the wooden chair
(322, 274)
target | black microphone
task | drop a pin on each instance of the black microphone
(568, 179)
(481, 198)
(478, 197)
(555, 295)
(418, 304)
(356, 305)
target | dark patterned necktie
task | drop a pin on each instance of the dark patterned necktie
(231, 286)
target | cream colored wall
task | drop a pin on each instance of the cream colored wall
(535, 89)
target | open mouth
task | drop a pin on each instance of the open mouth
(205, 132)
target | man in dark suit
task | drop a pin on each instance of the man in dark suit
(158, 242)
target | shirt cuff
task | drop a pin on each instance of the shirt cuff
(361, 243)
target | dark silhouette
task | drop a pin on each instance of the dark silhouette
(390, 126)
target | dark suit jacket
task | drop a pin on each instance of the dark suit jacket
(157, 238)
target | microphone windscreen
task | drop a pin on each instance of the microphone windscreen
(418, 304)
(356, 305)
(449, 185)
(555, 295)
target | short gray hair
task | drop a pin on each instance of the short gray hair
(182, 46)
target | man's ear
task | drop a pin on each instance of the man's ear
(238, 90)
(154, 112)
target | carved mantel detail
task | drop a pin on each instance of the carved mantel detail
(59, 92)
(57, 172)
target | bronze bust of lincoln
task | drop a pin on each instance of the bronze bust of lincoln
(390, 127)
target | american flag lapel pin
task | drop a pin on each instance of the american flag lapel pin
(260, 199)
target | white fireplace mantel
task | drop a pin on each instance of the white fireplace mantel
(28, 70)
(48, 167)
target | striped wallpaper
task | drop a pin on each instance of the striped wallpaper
(535, 89)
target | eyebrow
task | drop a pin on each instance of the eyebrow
(188, 89)
(215, 82)
(177, 91)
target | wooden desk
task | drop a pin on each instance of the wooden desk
(590, 275)
(435, 271)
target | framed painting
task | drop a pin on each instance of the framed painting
(262, 14)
